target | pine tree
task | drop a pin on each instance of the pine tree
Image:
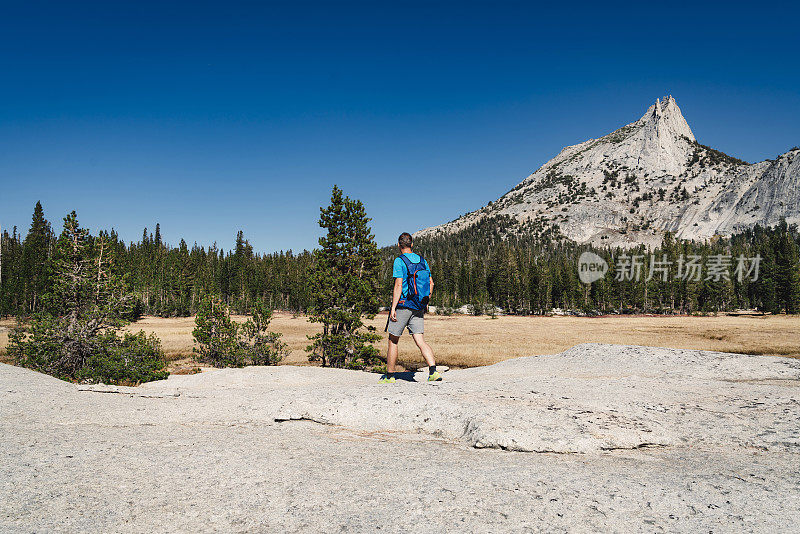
(11, 277)
(73, 276)
(787, 267)
(765, 286)
(36, 251)
(183, 280)
(344, 286)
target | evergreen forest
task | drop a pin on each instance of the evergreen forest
(490, 267)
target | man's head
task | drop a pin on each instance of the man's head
(405, 241)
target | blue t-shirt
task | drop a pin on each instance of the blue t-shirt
(399, 269)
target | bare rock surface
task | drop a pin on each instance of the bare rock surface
(597, 438)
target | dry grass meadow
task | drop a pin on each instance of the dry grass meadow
(466, 341)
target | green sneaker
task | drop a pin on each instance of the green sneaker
(434, 377)
(386, 380)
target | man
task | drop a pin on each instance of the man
(409, 300)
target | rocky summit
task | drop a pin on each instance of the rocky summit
(640, 181)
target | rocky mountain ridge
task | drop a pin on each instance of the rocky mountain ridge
(648, 177)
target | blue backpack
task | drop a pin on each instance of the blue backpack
(418, 281)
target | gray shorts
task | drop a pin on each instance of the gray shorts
(413, 319)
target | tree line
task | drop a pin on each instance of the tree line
(165, 280)
(493, 264)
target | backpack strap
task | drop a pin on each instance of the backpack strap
(408, 264)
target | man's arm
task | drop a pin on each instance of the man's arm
(428, 266)
(396, 294)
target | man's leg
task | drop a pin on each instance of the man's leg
(391, 353)
(424, 348)
(395, 329)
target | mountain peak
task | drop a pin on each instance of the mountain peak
(666, 118)
(630, 186)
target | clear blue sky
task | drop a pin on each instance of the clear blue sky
(215, 117)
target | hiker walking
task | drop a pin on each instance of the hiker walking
(412, 289)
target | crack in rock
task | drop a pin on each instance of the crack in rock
(126, 390)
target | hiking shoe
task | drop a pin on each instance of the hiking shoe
(386, 380)
(434, 377)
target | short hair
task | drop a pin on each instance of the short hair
(405, 240)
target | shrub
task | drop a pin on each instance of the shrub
(104, 357)
(216, 335)
(476, 308)
(260, 346)
(130, 360)
(223, 343)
